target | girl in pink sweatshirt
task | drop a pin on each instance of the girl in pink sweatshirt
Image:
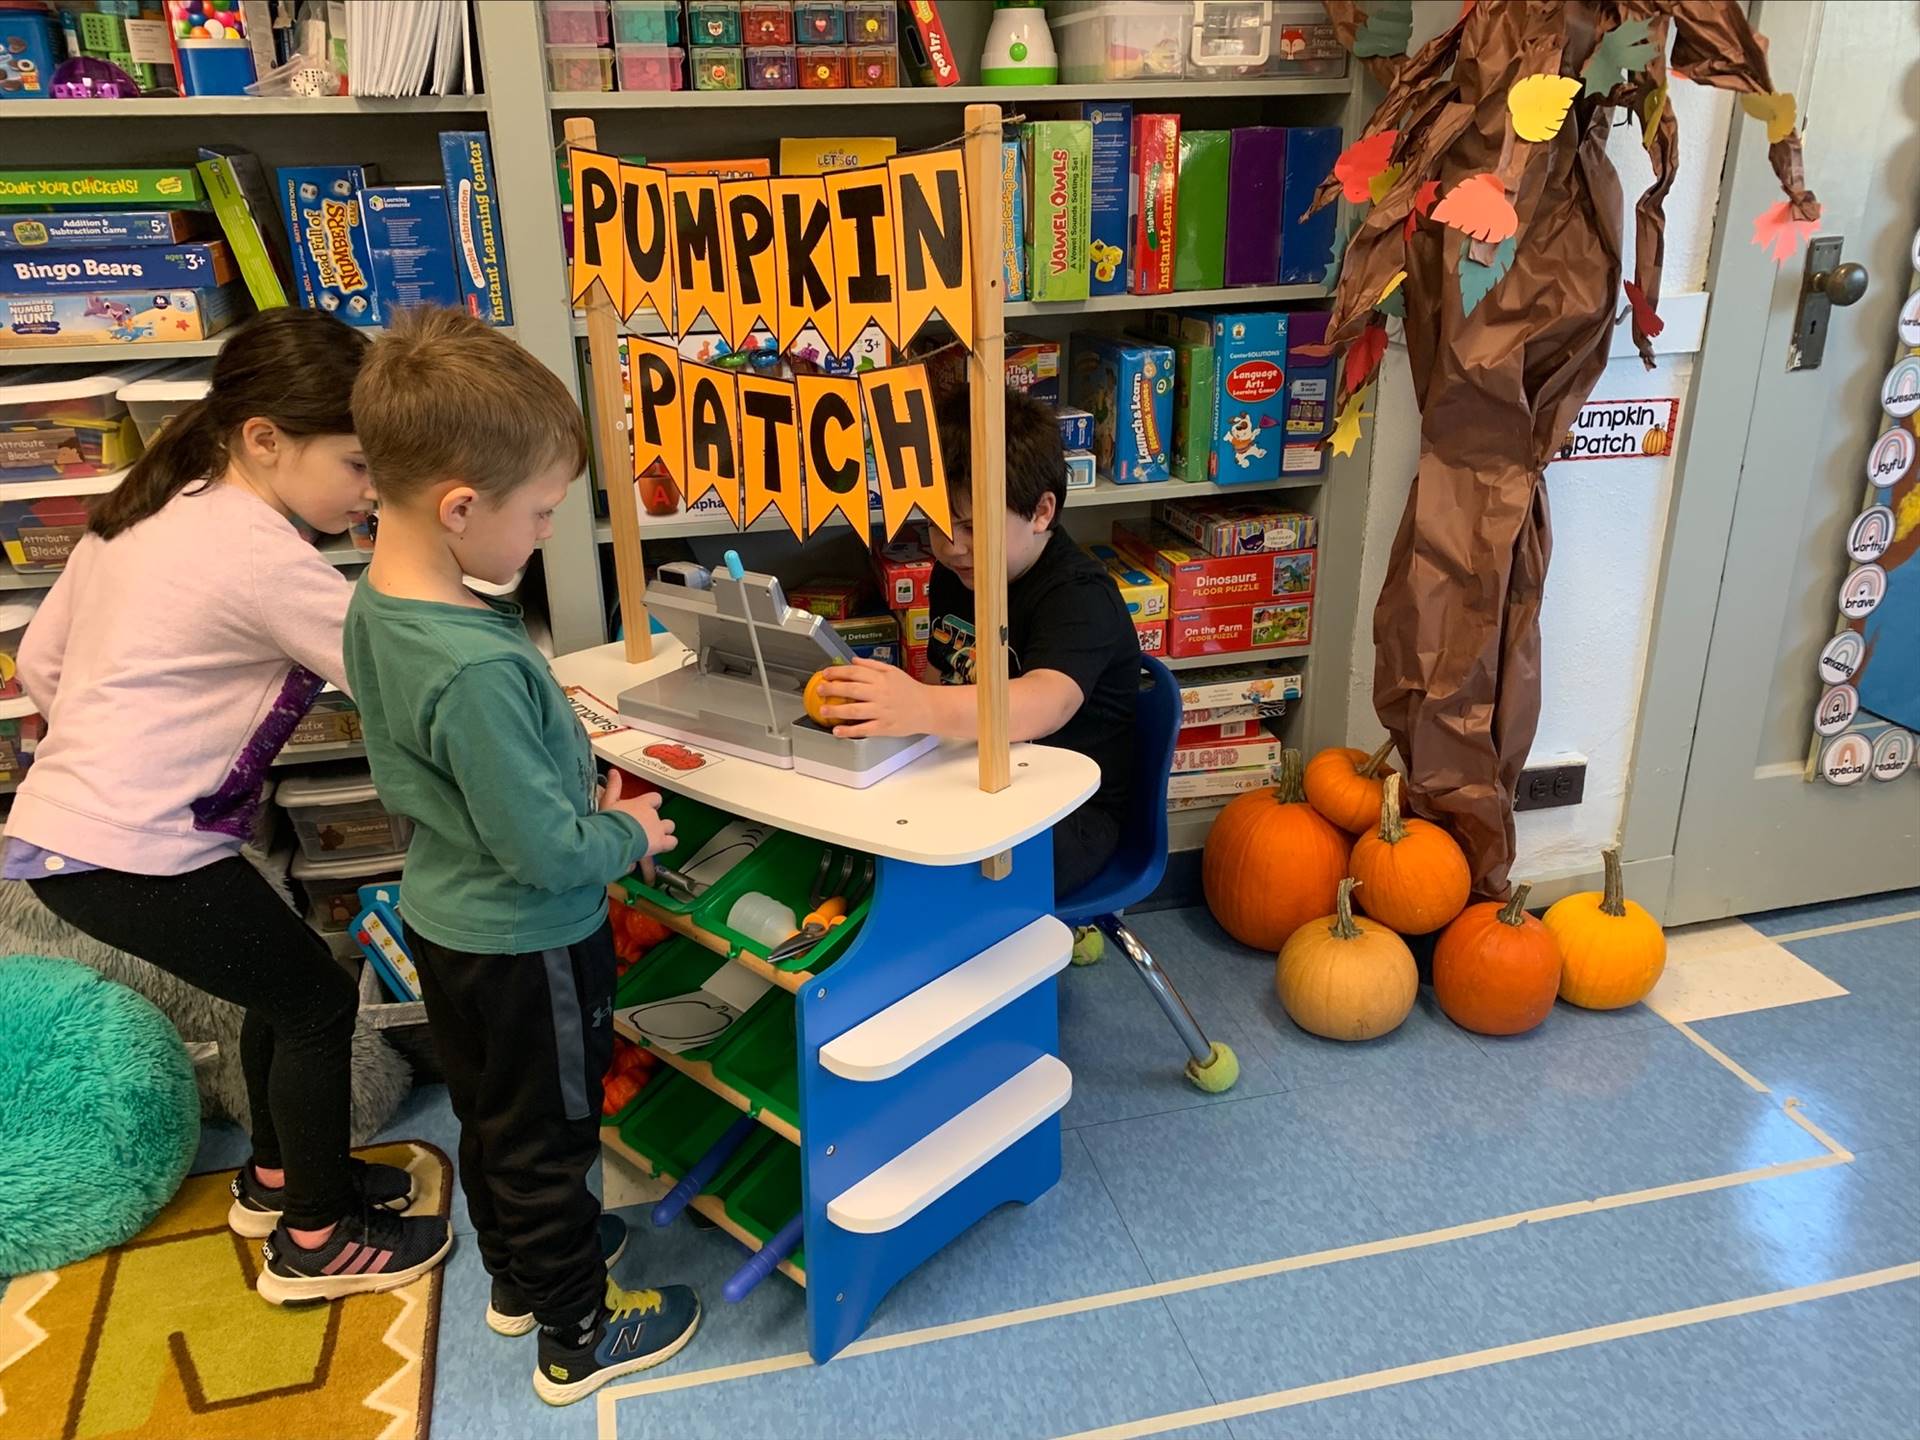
(187, 636)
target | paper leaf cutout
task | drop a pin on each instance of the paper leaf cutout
(1391, 286)
(1622, 49)
(1346, 429)
(1423, 199)
(1363, 358)
(1656, 107)
(1539, 105)
(1388, 27)
(1478, 206)
(1378, 187)
(1394, 305)
(1777, 110)
(1645, 318)
(1340, 242)
(1776, 231)
(1476, 280)
(1361, 161)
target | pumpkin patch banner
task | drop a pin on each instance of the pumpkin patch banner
(884, 248)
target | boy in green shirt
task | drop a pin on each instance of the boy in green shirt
(472, 443)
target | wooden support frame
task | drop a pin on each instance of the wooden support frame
(612, 453)
(987, 387)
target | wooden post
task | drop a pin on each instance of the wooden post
(612, 454)
(987, 385)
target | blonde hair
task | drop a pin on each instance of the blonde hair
(443, 396)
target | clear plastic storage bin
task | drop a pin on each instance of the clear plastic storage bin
(15, 615)
(336, 812)
(646, 22)
(154, 402)
(1102, 40)
(575, 22)
(40, 534)
(766, 22)
(713, 22)
(55, 425)
(573, 69)
(332, 887)
(650, 67)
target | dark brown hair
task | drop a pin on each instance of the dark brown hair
(293, 367)
(1036, 465)
(444, 396)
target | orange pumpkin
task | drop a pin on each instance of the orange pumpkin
(1654, 442)
(1497, 969)
(1346, 979)
(1272, 862)
(820, 707)
(1613, 950)
(1344, 785)
(1412, 875)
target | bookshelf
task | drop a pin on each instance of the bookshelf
(523, 121)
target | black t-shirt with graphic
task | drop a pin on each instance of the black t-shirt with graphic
(1064, 614)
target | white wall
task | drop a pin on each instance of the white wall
(1609, 518)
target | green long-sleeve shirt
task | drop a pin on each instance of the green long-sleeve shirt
(471, 739)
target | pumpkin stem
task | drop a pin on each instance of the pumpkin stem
(1515, 910)
(1392, 829)
(1343, 927)
(1376, 760)
(1292, 788)
(1614, 900)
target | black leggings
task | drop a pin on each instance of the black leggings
(225, 930)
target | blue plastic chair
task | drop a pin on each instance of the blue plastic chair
(1136, 868)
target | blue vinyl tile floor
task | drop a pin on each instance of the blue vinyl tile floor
(1597, 1229)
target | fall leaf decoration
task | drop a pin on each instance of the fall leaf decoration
(1394, 305)
(1645, 318)
(1778, 231)
(1391, 286)
(1363, 358)
(1386, 30)
(1378, 187)
(1478, 206)
(1539, 105)
(1346, 429)
(1340, 241)
(1423, 199)
(1361, 161)
(1656, 107)
(1623, 49)
(1476, 280)
(1776, 110)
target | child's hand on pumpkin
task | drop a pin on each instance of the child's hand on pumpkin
(871, 698)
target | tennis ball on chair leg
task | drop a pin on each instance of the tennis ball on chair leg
(1089, 945)
(1219, 1074)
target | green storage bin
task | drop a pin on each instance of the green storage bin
(673, 967)
(760, 1188)
(759, 1057)
(693, 825)
(676, 1122)
(784, 868)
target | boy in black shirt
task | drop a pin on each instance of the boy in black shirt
(1072, 651)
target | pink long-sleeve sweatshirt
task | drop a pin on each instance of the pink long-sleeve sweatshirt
(171, 663)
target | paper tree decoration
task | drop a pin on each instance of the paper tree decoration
(1512, 284)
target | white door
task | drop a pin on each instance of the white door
(1773, 474)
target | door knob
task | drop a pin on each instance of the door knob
(1842, 285)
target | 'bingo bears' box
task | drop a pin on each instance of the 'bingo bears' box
(321, 207)
(1249, 396)
(1128, 385)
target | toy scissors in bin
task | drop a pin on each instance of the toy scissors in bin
(834, 894)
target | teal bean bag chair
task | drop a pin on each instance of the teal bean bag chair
(99, 1117)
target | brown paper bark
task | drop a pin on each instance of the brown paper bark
(1457, 626)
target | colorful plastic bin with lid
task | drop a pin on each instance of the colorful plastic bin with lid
(15, 615)
(55, 425)
(336, 813)
(575, 22)
(650, 67)
(332, 887)
(154, 401)
(646, 22)
(577, 69)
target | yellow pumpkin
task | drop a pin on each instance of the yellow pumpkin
(1346, 979)
(820, 707)
(1612, 951)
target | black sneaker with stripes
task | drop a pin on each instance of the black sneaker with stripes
(371, 1250)
(256, 1208)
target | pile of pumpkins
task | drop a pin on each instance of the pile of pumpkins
(1286, 867)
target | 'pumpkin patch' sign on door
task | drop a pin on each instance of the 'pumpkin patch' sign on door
(1621, 430)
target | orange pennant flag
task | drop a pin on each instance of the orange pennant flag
(659, 433)
(861, 202)
(699, 254)
(835, 451)
(770, 449)
(597, 253)
(803, 250)
(752, 262)
(646, 240)
(712, 409)
(933, 242)
(906, 449)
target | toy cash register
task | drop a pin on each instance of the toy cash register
(741, 691)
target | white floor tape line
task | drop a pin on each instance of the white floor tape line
(1845, 927)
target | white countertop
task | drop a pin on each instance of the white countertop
(933, 812)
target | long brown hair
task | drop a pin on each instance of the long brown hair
(293, 367)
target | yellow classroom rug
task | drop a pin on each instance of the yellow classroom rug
(163, 1338)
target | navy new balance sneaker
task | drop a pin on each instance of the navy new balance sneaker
(632, 1330)
(368, 1251)
(508, 1311)
(256, 1208)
